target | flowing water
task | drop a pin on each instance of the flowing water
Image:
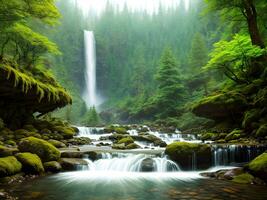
(90, 95)
(131, 176)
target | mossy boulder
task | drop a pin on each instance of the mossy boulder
(45, 150)
(207, 136)
(126, 141)
(31, 163)
(184, 154)
(9, 166)
(221, 106)
(258, 166)
(262, 131)
(123, 146)
(66, 132)
(30, 128)
(52, 166)
(5, 151)
(245, 178)
(250, 117)
(120, 130)
(234, 135)
(57, 143)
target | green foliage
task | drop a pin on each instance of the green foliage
(45, 150)
(9, 166)
(234, 58)
(234, 135)
(17, 36)
(31, 163)
(91, 117)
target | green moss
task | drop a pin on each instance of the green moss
(184, 148)
(250, 117)
(66, 132)
(262, 131)
(234, 135)
(259, 164)
(120, 130)
(245, 178)
(52, 166)
(5, 151)
(126, 141)
(132, 146)
(51, 91)
(207, 136)
(57, 143)
(9, 166)
(11, 142)
(220, 106)
(45, 150)
(30, 128)
(31, 163)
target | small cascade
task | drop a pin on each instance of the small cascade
(131, 163)
(91, 132)
(225, 155)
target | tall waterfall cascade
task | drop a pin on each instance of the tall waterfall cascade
(90, 95)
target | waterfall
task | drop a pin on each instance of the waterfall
(131, 163)
(90, 95)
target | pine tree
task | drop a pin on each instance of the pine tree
(170, 90)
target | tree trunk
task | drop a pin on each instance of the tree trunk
(251, 15)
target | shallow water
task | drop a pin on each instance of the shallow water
(85, 185)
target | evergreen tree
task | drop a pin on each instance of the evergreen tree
(170, 90)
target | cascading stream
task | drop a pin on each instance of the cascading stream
(131, 163)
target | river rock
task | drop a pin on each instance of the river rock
(147, 165)
(258, 166)
(186, 154)
(78, 154)
(52, 166)
(71, 164)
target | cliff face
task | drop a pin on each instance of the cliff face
(23, 94)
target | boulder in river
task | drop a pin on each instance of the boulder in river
(258, 166)
(189, 156)
(71, 164)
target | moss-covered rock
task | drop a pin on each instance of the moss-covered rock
(258, 166)
(185, 153)
(245, 178)
(11, 142)
(9, 166)
(221, 106)
(234, 135)
(66, 132)
(31, 163)
(57, 143)
(250, 117)
(126, 141)
(262, 131)
(52, 166)
(120, 130)
(5, 151)
(45, 150)
(30, 128)
(207, 136)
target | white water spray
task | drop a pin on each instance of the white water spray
(90, 95)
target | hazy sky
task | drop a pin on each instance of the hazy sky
(151, 6)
